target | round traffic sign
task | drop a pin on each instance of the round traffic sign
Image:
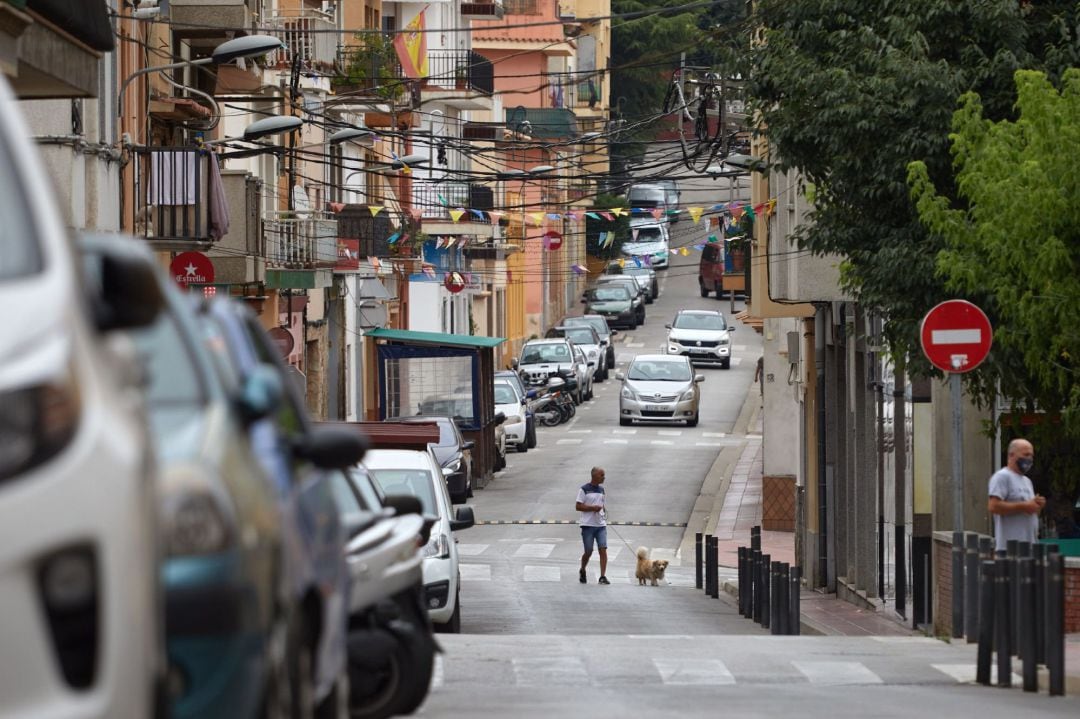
(553, 239)
(956, 336)
(192, 268)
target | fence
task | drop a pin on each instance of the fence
(311, 38)
(464, 68)
(170, 202)
(1012, 605)
(768, 591)
(304, 243)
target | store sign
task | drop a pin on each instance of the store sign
(348, 255)
(192, 268)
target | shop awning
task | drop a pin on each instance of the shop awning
(434, 338)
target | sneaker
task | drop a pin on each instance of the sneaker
(603, 580)
(581, 577)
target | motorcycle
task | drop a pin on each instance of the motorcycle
(547, 408)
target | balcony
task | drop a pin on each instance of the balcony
(372, 234)
(460, 78)
(211, 19)
(170, 203)
(491, 10)
(436, 199)
(311, 36)
(370, 71)
(566, 91)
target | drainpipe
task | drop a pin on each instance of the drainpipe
(820, 327)
(900, 466)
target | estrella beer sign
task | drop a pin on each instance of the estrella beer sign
(192, 268)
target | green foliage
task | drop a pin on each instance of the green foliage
(593, 228)
(1016, 239)
(373, 67)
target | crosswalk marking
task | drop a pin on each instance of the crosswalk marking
(624, 431)
(670, 432)
(472, 550)
(437, 673)
(714, 434)
(681, 672)
(579, 431)
(549, 671)
(568, 441)
(475, 572)
(616, 441)
(542, 574)
(709, 444)
(534, 551)
(661, 441)
(836, 673)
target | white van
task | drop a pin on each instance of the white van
(80, 635)
(649, 242)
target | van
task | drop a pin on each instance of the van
(647, 197)
(649, 242)
(714, 257)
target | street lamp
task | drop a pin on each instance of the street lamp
(408, 161)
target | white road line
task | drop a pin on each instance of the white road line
(475, 572)
(579, 431)
(701, 672)
(669, 432)
(661, 441)
(437, 672)
(714, 434)
(836, 673)
(534, 551)
(624, 431)
(635, 344)
(542, 574)
(472, 550)
(886, 639)
(709, 444)
(616, 441)
(568, 441)
(550, 672)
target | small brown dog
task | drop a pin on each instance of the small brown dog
(649, 569)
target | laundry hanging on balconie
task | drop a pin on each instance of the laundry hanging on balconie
(173, 177)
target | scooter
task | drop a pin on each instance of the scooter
(548, 407)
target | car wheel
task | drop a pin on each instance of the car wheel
(421, 662)
(692, 422)
(530, 434)
(453, 625)
(523, 446)
(301, 664)
(624, 422)
(611, 360)
(726, 364)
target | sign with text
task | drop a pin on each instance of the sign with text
(192, 268)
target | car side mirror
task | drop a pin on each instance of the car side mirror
(261, 394)
(531, 394)
(731, 328)
(614, 332)
(469, 444)
(513, 363)
(125, 288)
(584, 301)
(699, 378)
(447, 472)
(463, 519)
(330, 447)
(668, 326)
(619, 374)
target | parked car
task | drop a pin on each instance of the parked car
(649, 244)
(631, 286)
(645, 276)
(647, 196)
(284, 443)
(659, 388)
(391, 648)
(512, 406)
(542, 359)
(606, 333)
(615, 303)
(454, 454)
(701, 335)
(585, 337)
(584, 369)
(418, 474)
(672, 195)
(514, 379)
(81, 633)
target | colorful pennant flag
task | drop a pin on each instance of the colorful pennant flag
(442, 200)
(455, 215)
(450, 242)
(684, 251)
(411, 48)
(622, 262)
(634, 233)
(429, 270)
(608, 216)
(637, 260)
(537, 218)
(478, 213)
(554, 216)
(494, 216)
(617, 211)
(375, 209)
(657, 213)
(592, 215)
(712, 238)
(393, 238)
(375, 264)
(695, 213)
(578, 269)
(572, 216)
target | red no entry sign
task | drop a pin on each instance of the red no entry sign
(956, 336)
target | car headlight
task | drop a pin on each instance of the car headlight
(438, 546)
(37, 423)
(724, 342)
(687, 395)
(453, 465)
(628, 393)
(592, 354)
(196, 520)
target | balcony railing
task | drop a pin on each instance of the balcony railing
(169, 201)
(570, 91)
(356, 223)
(311, 37)
(461, 69)
(300, 243)
(370, 70)
(436, 199)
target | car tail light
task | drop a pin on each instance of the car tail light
(69, 587)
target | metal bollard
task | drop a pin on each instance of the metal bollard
(1055, 622)
(971, 587)
(783, 605)
(714, 564)
(766, 594)
(755, 584)
(698, 558)
(1023, 551)
(1012, 547)
(957, 584)
(1026, 616)
(794, 597)
(710, 565)
(755, 538)
(986, 622)
(776, 622)
(742, 581)
(1002, 616)
(1039, 553)
(986, 547)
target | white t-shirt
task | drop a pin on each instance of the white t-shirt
(1009, 486)
(591, 494)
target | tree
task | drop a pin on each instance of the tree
(1016, 239)
(850, 93)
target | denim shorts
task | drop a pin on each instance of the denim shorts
(594, 534)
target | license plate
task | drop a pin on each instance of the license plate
(656, 408)
(700, 350)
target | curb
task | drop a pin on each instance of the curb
(807, 627)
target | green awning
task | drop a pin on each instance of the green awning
(434, 338)
(546, 122)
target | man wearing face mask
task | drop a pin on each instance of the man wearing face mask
(1013, 501)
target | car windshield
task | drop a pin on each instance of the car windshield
(646, 234)
(505, 394)
(20, 254)
(696, 321)
(659, 371)
(409, 483)
(646, 197)
(535, 354)
(580, 335)
(599, 324)
(635, 271)
(611, 294)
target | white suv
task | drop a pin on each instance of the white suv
(80, 635)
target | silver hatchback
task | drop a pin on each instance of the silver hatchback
(659, 388)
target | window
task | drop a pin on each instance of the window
(521, 7)
(699, 321)
(173, 376)
(408, 483)
(20, 254)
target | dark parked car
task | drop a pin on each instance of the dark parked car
(598, 323)
(454, 454)
(614, 303)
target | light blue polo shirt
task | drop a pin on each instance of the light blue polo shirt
(1009, 486)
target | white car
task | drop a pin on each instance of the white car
(701, 335)
(508, 402)
(542, 359)
(81, 634)
(416, 473)
(649, 242)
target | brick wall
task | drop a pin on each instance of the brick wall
(942, 558)
(778, 503)
(1072, 596)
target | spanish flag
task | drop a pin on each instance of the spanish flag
(411, 47)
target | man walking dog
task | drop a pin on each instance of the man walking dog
(590, 504)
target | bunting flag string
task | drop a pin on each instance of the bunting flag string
(494, 216)
(374, 262)
(695, 214)
(537, 218)
(442, 200)
(455, 215)
(608, 216)
(375, 209)
(578, 269)
(478, 213)
(592, 215)
(393, 238)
